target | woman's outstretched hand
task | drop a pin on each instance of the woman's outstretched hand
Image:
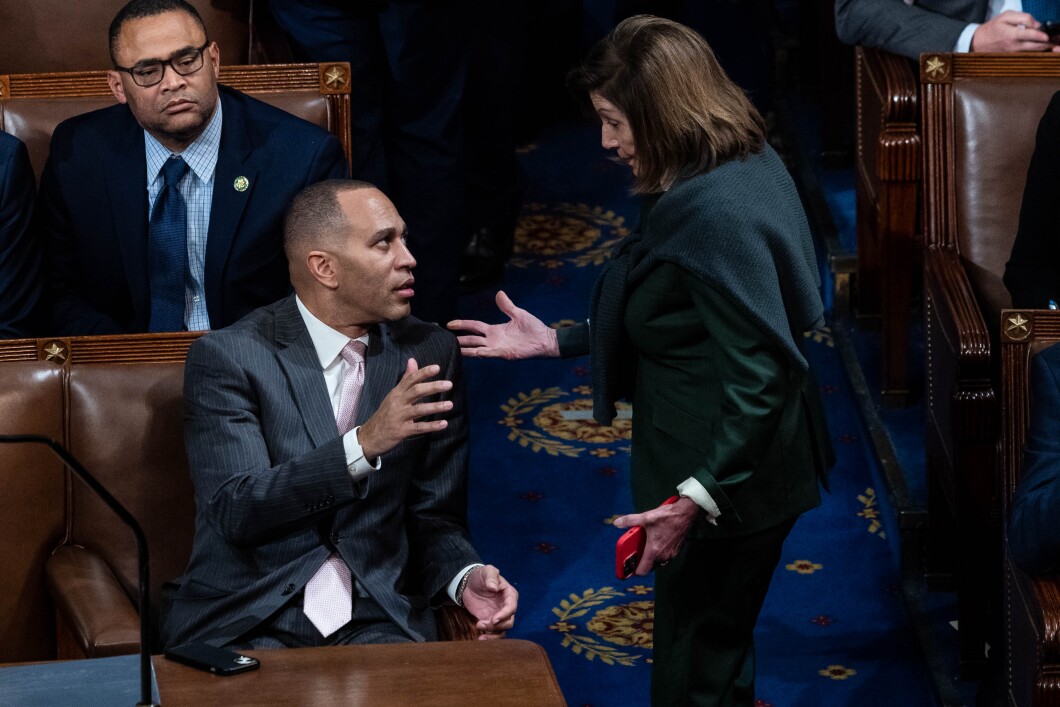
(522, 336)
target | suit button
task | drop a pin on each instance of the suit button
(335, 537)
(288, 589)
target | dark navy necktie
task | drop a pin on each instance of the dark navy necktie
(167, 250)
(1042, 10)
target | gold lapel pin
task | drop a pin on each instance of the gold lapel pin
(241, 183)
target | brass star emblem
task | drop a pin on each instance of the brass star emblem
(335, 77)
(936, 68)
(55, 351)
(1017, 327)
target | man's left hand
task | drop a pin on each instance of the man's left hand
(491, 600)
(666, 527)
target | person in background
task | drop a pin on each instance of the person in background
(164, 212)
(327, 442)
(1033, 525)
(1032, 273)
(911, 28)
(698, 320)
(408, 64)
(21, 255)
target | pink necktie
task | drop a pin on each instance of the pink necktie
(328, 600)
(352, 382)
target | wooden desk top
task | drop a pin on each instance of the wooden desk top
(506, 672)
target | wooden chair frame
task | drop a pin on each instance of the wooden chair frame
(1032, 604)
(962, 364)
(887, 188)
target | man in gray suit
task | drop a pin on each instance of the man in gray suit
(909, 28)
(330, 477)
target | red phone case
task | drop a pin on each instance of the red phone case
(630, 547)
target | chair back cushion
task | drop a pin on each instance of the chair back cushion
(33, 506)
(994, 123)
(58, 35)
(126, 426)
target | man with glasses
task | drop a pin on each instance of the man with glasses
(164, 212)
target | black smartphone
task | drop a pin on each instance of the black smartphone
(219, 661)
(1051, 28)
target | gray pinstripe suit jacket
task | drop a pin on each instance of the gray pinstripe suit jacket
(274, 497)
(925, 26)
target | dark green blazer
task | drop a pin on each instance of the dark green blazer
(716, 399)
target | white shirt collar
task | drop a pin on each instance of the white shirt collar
(328, 342)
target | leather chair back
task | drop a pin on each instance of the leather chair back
(116, 403)
(126, 425)
(31, 105)
(993, 144)
(58, 35)
(32, 520)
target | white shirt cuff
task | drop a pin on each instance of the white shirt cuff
(964, 42)
(451, 589)
(691, 488)
(359, 466)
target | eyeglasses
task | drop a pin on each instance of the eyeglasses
(149, 73)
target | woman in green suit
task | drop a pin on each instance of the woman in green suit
(697, 319)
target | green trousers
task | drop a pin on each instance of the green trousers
(707, 601)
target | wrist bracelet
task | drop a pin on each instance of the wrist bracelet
(463, 585)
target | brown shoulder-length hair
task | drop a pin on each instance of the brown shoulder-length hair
(685, 113)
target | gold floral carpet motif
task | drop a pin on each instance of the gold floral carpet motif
(554, 235)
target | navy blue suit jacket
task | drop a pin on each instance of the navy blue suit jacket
(94, 213)
(20, 249)
(1034, 523)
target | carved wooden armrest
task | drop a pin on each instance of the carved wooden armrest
(1046, 611)
(896, 85)
(91, 602)
(958, 312)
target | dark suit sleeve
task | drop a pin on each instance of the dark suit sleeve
(896, 27)
(1034, 523)
(755, 375)
(437, 501)
(1032, 273)
(573, 340)
(245, 495)
(21, 253)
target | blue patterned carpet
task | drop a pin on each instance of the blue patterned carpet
(544, 489)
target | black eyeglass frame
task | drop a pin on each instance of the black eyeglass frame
(163, 63)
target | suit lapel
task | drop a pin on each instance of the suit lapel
(125, 174)
(234, 182)
(300, 364)
(383, 367)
